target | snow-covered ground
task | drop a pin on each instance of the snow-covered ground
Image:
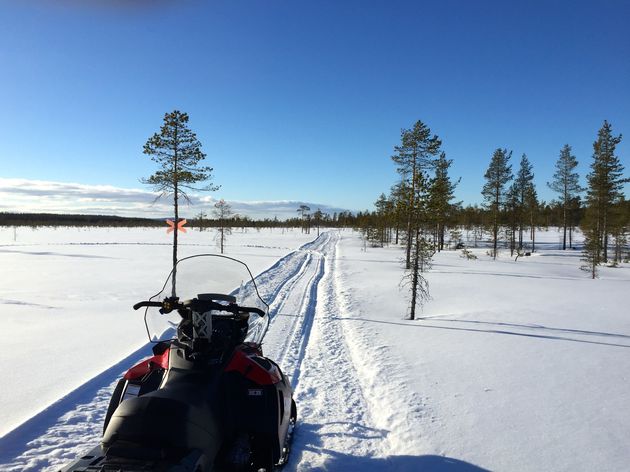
(512, 366)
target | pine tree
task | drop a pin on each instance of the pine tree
(513, 210)
(303, 210)
(382, 206)
(497, 176)
(413, 156)
(523, 184)
(605, 184)
(420, 263)
(442, 191)
(399, 199)
(619, 227)
(566, 183)
(223, 212)
(317, 218)
(200, 220)
(531, 209)
(592, 249)
(422, 248)
(177, 151)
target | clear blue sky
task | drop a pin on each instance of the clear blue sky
(304, 100)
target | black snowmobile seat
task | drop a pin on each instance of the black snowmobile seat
(164, 423)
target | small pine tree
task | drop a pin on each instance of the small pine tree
(592, 249)
(421, 260)
(200, 220)
(317, 219)
(303, 210)
(223, 213)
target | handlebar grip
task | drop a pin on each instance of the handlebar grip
(141, 304)
(252, 310)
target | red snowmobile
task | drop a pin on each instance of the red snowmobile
(207, 400)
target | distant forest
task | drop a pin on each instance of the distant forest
(306, 221)
(51, 219)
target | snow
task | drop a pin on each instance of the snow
(511, 366)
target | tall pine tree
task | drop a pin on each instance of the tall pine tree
(566, 184)
(605, 184)
(523, 184)
(441, 192)
(177, 151)
(497, 176)
(413, 156)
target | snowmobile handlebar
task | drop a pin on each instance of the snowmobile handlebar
(170, 304)
(145, 303)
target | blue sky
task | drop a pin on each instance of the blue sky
(304, 101)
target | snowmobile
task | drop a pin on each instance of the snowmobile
(207, 400)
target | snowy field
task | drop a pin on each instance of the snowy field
(513, 366)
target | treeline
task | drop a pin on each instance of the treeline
(420, 209)
(52, 219)
(343, 219)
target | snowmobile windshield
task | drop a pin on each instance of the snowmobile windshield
(209, 276)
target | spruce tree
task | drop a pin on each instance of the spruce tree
(497, 176)
(177, 151)
(566, 183)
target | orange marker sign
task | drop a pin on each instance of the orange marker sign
(180, 226)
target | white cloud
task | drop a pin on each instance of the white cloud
(43, 196)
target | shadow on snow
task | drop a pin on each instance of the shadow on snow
(311, 435)
(505, 332)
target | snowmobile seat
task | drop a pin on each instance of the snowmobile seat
(165, 423)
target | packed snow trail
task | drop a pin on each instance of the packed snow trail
(335, 425)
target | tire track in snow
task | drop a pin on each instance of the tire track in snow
(293, 313)
(335, 424)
